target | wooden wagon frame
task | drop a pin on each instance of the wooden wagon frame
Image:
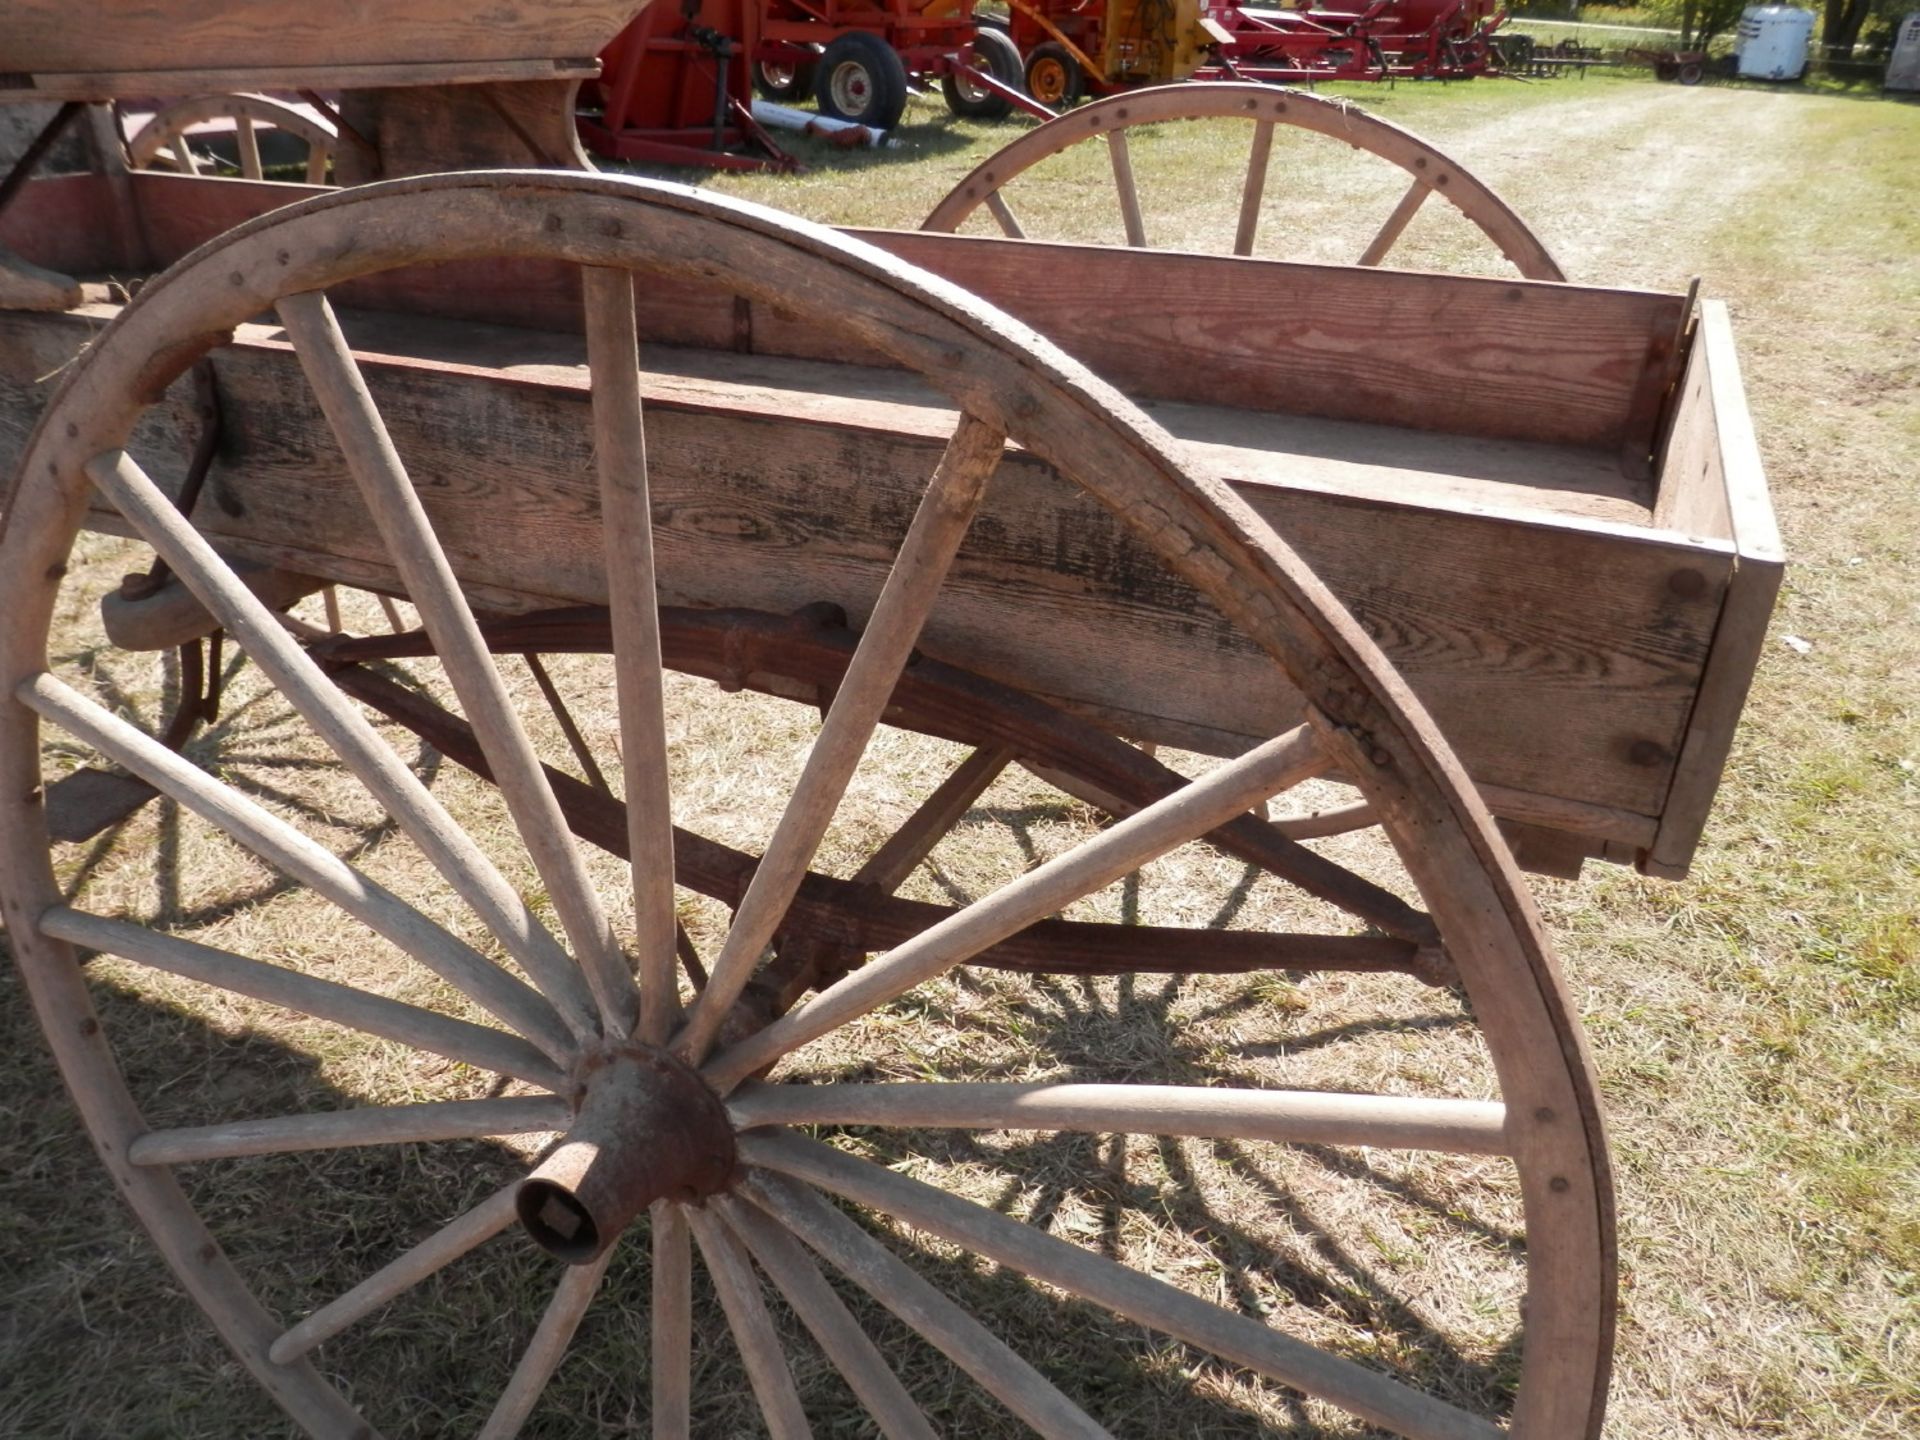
(1540, 501)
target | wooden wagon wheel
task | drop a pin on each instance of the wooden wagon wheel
(658, 1106)
(1263, 108)
(163, 140)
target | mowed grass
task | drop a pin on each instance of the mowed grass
(1754, 1026)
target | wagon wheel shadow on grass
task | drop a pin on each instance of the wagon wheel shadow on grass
(99, 1319)
(313, 1224)
(374, 1201)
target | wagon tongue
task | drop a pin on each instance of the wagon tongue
(646, 1128)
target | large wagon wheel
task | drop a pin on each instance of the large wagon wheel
(164, 140)
(658, 1108)
(1265, 111)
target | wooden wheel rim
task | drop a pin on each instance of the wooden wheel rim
(171, 124)
(1001, 374)
(1262, 105)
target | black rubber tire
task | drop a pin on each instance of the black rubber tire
(994, 52)
(1054, 77)
(869, 78)
(783, 83)
(1691, 73)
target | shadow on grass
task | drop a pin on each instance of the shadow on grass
(99, 1340)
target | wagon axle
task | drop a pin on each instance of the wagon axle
(647, 1129)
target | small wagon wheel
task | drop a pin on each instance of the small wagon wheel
(163, 140)
(656, 1103)
(1263, 108)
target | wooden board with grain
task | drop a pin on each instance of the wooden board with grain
(1574, 693)
(122, 44)
(1500, 359)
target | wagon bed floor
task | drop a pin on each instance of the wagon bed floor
(1374, 462)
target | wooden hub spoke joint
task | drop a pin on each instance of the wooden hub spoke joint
(647, 1128)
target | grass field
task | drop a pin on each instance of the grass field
(1756, 1027)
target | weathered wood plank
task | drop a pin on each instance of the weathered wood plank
(39, 36)
(1742, 504)
(1546, 685)
(1506, 359)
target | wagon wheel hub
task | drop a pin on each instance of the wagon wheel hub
(646, 1127)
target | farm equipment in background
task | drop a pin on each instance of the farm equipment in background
(1071, 48)
(1077, 47)
(674, 89)
(1359, 40)
(859, 58)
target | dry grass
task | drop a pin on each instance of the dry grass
(1754, 1026)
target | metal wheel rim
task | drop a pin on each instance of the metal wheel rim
(851, 86)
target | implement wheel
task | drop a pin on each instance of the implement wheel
(636, 1121)
(786, 81)
(1054, 77)
(861, 78)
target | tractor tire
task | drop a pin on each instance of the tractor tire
(994, 52)
(862, 79)
(1054, 77)
(783, 81)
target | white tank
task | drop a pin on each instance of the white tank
(1903, 69)
(1772, 42)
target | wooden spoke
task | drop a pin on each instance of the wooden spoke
(626, 514)
(938, 1320)
(330, 602)
(900, 856)
(1139, 1297)
(357, 1009)
(317, 159)
(394, 1279)
(435, 592)
(938, 527)
(821, 1311)
(392, 612)
(183, 156)
(291, 852)
(447, 846)
(547, 1349)
(1258, 158)
(1410, 202)
(672, 1358)
(1223, 793)
(752, 1328)
(1003, 213)
(1122, 159)
(249, 144)
(563, 717)
(1467, 1127)
(342, 1129)
(1318, 824)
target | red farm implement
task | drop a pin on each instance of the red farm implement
(1384, 39)
(1076, 47)
(673, 89)
(859, 58)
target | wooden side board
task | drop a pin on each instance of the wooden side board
(52, 41)
(1559, 655)
(1712, 484)
(1501, 359)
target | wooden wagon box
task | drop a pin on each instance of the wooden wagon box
(1543, 500)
